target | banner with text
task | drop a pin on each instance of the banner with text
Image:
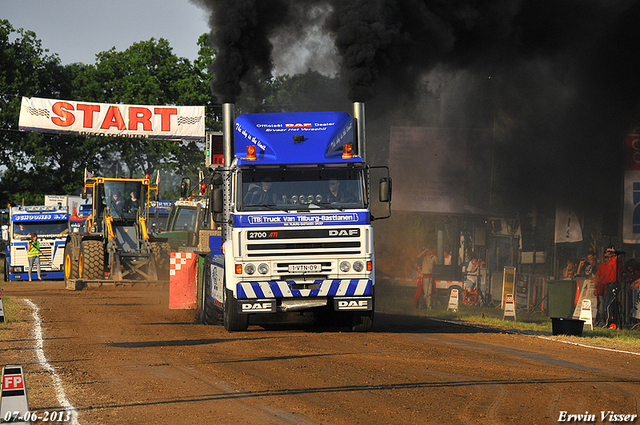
(113, 120)
(631, 210)
(567, 227)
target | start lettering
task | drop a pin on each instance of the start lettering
(66, 115)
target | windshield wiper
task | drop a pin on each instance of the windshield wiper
(327, 205)
(271, 207)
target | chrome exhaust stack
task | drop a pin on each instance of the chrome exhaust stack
(358, 117)
(228, 118)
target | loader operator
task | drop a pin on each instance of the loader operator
(116, 204)
(131, 204)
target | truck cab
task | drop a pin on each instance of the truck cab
(51, 224)
(186, 219)
(294, 203)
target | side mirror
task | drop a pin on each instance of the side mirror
(216, 179)
(185, 187)
(385, 189)
(217, 200)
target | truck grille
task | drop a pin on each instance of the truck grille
(46, 256)
(303, 248)
(19, 257)
(303, 243)
(286, 249)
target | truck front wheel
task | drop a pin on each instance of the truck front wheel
(233, 321)
(212, 314)
(362, 321)
(70, 263)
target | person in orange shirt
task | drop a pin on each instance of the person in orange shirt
(604, 275)
(607, 278)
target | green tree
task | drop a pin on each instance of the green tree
(148, 73)
(32, 164)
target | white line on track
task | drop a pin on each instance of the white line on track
(594, 347)
(57, 382)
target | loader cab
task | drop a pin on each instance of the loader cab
(121, 200)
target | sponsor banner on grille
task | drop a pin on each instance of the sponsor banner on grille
(301, 219)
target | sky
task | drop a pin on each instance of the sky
(79, 29)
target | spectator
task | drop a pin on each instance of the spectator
(605, 282)
(425, 278)
(471, 280)
(570, 271)
(447, 258)
(588, 267)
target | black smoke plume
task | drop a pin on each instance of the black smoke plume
(564, 75)
(240, 35)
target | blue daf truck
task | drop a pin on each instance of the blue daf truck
(292, 203)
(51, 224)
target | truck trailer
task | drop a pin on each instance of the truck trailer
(293, 202)
(51, 224)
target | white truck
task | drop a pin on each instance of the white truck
(51, 224)
(292, 196)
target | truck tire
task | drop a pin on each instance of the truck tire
(70, 262)
(161, 252)
(91, 260)
(362, 321)
(6, 270)
(212, 314)
(233, 321)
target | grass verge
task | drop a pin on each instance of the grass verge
(401, 302)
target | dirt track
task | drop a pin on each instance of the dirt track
(124, 357)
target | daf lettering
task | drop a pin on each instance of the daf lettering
(343, 232)
(257, 307)
(352, 303)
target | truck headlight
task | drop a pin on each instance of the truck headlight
(249, 269)
(345, 266)
(263, 268)
(358, 266)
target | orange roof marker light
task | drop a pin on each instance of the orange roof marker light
(347, 151)
(251, 153)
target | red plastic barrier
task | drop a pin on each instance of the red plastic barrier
(182, 281)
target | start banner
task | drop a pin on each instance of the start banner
(113, 120)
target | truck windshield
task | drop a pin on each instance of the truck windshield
(124, 198)
(44, 229)
(302, 189)
(185, 219)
